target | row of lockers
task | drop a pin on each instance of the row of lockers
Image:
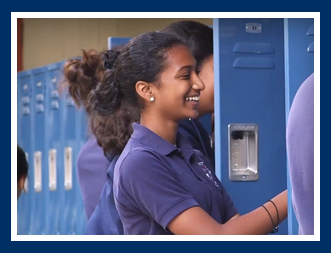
(51, 130)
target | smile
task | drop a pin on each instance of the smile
(192, 99)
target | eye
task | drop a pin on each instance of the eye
(186, 76)
(198, 71)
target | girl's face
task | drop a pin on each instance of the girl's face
(206, 74)
(178, 95)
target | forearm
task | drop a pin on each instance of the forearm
(257, 222)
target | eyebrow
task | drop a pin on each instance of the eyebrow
(188, 67)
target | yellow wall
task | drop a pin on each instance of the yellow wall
(46, 41)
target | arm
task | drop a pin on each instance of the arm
(152, 189)
(254, 223)
(235, 216)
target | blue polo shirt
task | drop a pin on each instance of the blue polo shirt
(194, 131)
(155, 181)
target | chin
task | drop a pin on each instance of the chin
(194, 115)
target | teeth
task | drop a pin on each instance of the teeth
(192, 98)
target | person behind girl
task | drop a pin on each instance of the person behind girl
(22, 170)
(300, 149)
(161, 184)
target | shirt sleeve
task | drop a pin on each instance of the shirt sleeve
(148, 183)
(300, 150)
(229, 209)
(92, 168)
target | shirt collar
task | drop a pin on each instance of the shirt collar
(156, 142)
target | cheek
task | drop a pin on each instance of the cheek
(208, 92)
(173, 97)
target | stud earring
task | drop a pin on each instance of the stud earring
(151, 99)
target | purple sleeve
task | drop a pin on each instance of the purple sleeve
(300, 148)
(229, 209)
(149, 184)
(92, 168)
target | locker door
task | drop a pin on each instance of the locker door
(69, 151)
(25, 140)
(55, 151)
(115, 42)
(299, 64)
(82, 136)
(39, 155)
(249, 88)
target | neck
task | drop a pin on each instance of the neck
(202, 112)
(166, 129)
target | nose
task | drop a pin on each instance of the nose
(197, 83)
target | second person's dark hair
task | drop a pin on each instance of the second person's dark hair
(22, 164)
(115, 104)
(197, 36)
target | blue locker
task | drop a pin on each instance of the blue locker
(54, 152)
(299, 64)
(40, 161)
(249, 88)
(81, 137)
(69, 151)
(115, 42)
(25, 140)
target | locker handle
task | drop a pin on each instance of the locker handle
(52, 169)
(68, 168)
(37, 171)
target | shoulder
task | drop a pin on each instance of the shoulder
(140, 160)
(304, 97)
(91, 155)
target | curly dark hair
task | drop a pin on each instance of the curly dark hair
(197, 36)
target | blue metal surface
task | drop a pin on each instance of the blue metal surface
(253, 93)
(69, 121)
(25, 140)
(39, 199)
(53, 118)
(81, 138)
(117, 41)
(49, 120)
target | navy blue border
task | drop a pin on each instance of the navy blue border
(151, 6)
(324, 109)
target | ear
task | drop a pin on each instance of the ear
(144, 90)
(20, 186)
(21, 182)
